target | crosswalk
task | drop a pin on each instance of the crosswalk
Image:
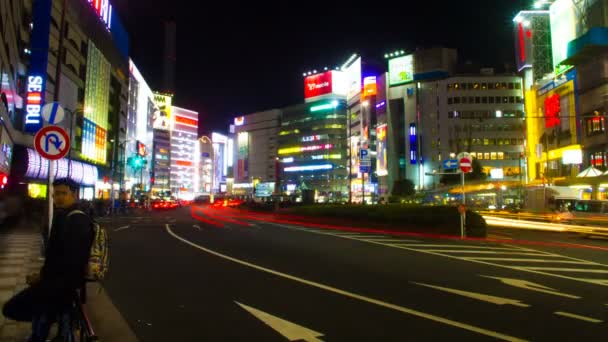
(502, 255)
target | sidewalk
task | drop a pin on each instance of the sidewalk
(19, 256)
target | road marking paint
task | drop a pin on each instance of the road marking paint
(389, 241)
(559, 269)
(121, 228)
(478, 252)
(412, 248)
(530, 260)
(479, 296)
(196, 226)
(579, 317)
(289, 330)
(462, 246)
(528, 285)
(402, 309)
(355, 235)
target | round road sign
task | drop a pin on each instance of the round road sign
(52, 142)
(53, 113)
(465, 164)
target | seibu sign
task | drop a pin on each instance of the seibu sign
(317, 85)
(33, 103)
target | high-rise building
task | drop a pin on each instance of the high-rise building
(184, 181)
(161, 157)
(77, 56)
(255, 151)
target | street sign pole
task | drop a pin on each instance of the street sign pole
(462, 214)
(363, 188)
(50, 193)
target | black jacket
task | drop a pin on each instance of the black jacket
(67, 253)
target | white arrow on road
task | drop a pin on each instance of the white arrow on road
(289, 330)
(528, 285)
(478, 296)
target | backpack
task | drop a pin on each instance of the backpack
(99, 257)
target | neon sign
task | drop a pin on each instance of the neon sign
(103, 8)
(239, 121)
(552, 111)
(33, 103)
(309, 168)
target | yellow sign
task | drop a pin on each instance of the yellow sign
(161, 118)
(37, 191)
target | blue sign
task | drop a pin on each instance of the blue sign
(365, 168)
(363, 154)
(450, 164)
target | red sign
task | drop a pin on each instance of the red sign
(52, 142)
(552, 110)
(186, 121)
(317, 85)
(141, 149)
(465, 164)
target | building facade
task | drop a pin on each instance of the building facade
(312, 149)
(185, 155)
(255, 151)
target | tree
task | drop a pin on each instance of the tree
(475, 174)
(403, 188)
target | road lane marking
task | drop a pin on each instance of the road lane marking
(389, 241)
(402, 309)
(121, 228)
(196, 226)
(461, 246)
(413, 248)
(479, 296)
(289, 330)
(579, 317)
(531, 260)
(528, 285)
(558, 269)
(478, 252)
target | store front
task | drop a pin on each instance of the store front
(30, 173)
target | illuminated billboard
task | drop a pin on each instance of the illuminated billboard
(523, 46)
(96, 102)
(352, 76)
(328, 83)
(104, 10)
(401, 70)
(161, 119)
(369, 86)
(564, 23)
(381, 157)
(556, 104)
(242, 142)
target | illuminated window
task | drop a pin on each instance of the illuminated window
(476, 86)
(479, 156)
(486, 155)
(486, 141)
(595, 125)
(597, 159)
(456, 86)
(500, 155)
(493, 155)
(484, 86)
(503, 85)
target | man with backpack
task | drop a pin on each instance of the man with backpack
(53, 292)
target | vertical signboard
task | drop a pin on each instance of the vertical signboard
(381, 157)
(413, 144)
(36, 80)
(563, 19)
(96, 102)
(161, 118)
(352, 75)
(243, 155)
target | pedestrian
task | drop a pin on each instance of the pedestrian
(53, 291)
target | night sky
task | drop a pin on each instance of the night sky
(241, 57)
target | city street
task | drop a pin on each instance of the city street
(228, 276)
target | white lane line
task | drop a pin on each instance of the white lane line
(579, 317)
(458, 251)
(530, 260)
(479, 296)
(411, 248)
(357, 236)
(389, 241)
(583, 270)
(122, 228)
(463, 246)
(350, 294)
(528, 285)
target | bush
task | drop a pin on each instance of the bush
(435, 219)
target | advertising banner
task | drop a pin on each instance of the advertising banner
(317, 85)
(401, 70)
(161, 119)
(381, 157)
(352, 75)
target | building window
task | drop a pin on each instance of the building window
(486, 156)
(491, 98)
(457, 100)
(505, 99)
(519, 99)
(500, 155)
(470, 86)
(511, 85)
(484, 99)
(476, 86)
(493, 156)
(595, 125)
(484, 86)
(477, 99)
(597, 159)
(449, 87)
(511, 98)
(463, 86)
(464, 99)
(450, 100)
(471, 99)
(456, 86)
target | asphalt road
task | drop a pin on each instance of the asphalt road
(217, 278)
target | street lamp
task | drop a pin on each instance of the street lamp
(206, 140)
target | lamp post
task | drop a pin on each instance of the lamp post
(206, 140)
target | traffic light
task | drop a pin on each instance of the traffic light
(137, 162)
